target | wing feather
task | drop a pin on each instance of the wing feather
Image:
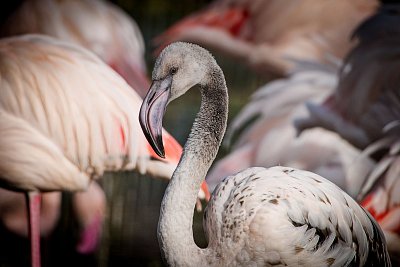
(72, 97)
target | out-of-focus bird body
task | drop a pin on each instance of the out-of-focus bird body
(75, 134)
(96, 25)
(267, 136)
(380, 193)
(367, 97)
(365, 110)
(267, 34)
(65, 118)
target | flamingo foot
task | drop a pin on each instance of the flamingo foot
(90, 236)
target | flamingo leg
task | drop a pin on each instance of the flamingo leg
(33, 200)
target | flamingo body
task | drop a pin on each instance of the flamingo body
(46, 114)
(311, 221)
(65, 118)
(99, 26)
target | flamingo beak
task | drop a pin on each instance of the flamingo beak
(152, 112)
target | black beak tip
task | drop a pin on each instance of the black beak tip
(160, 151)
(161, 154)
(156, 144)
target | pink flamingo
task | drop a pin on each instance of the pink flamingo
(66, 117)
(102, 28)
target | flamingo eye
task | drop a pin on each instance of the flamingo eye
(173, 70)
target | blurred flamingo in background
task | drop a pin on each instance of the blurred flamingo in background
(266, 136)
(267, 35)
(99, 26)
(380, 194)
(65, 118)
(365, 101)
(365, 110)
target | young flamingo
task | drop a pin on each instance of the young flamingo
(258, 217)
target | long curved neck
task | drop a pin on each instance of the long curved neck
(176, 217)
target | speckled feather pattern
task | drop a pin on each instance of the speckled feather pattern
(287, 217)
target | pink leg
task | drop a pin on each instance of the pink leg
(33, 202)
